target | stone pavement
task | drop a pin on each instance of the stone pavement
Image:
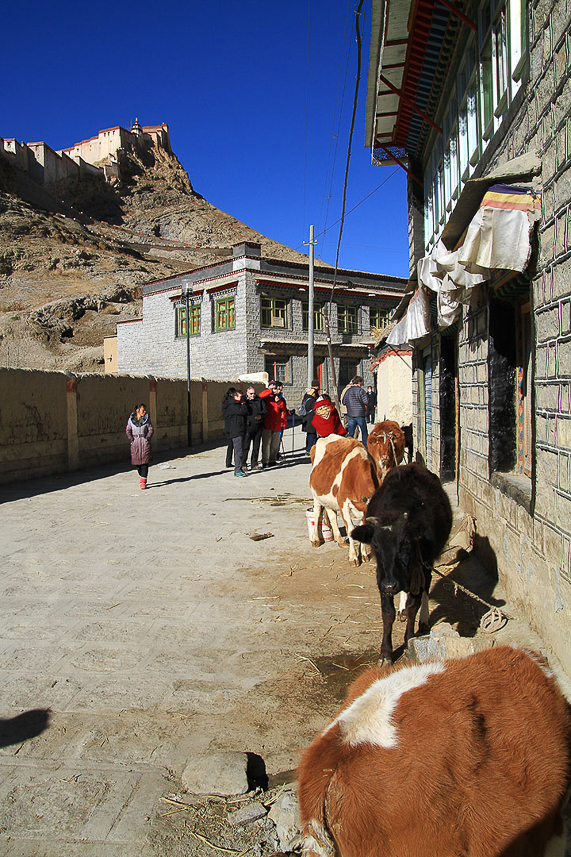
(155, 629)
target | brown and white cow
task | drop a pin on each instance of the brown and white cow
(343, 479)
(386, 444)
(467, 757)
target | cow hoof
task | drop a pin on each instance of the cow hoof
(342, 542)
(316, 544)
(355, 563)
(401, 616)
(385, 661)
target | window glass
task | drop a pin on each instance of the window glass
(194, 312)
(317, 316)
(278, 368)
(224, 314)
(347, 320)
(274, 312)
(379, 318)
(347, 371)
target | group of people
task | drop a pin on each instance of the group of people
(320, 417)
(253, 421)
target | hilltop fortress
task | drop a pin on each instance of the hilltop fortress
(96, 157)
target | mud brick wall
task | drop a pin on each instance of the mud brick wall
(54, 422)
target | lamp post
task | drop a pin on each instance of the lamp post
(186, 290)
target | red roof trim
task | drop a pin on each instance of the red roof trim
(222, 288)
(130, 321)
(362, 291)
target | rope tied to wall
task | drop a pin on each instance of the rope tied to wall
(493, 620)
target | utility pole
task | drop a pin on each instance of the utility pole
(310, 318)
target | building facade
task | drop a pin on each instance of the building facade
(249, 315)
(473, 100)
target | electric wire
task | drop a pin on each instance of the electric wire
(351, 210)
(352, 128)
(337, 117)
(306, 118)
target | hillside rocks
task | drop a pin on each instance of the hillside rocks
(73, 259)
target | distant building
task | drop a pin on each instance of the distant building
(250, 315)
(473, 99)
(97, 156)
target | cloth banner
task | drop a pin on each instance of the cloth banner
(499, 235)
(415, 323)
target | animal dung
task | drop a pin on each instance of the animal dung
(257, 537)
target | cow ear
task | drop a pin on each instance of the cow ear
(364, 533)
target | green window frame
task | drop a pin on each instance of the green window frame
(194, 314)
(318, 324)
(379, 318)
(274, 312)
(347, 319)
(224, 314)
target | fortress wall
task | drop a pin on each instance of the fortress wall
(17, 152)
(48, 167)
(55, 422)
(52, 166)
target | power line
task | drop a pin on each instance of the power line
(337, 117)
(306, 118)
(365, 198)
(345, 182)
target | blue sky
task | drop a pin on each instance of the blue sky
(258, 98)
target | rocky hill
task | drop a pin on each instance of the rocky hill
(73, 260)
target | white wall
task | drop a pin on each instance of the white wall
(394, 388)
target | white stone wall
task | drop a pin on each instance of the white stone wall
(105, 144)
(151, 345)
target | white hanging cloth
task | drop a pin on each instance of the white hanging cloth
(499, 235)
(416, 321)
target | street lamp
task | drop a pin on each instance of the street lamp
(186, 292)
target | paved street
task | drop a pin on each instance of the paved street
(154, 628)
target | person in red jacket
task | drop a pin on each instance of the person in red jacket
(325, 418)
(274, 421)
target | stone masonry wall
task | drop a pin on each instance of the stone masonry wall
(533, 548)
(151, 345)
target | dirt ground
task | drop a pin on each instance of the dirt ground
(157, 630)
(323, 658)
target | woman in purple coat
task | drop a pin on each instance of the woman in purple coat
(140, 431)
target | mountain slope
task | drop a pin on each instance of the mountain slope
(73, 261)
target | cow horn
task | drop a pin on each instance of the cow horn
(372, 521)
